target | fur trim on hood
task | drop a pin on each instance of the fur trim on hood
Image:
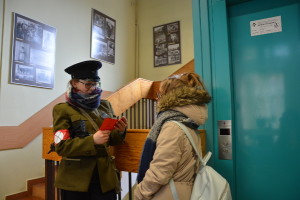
(183, 96)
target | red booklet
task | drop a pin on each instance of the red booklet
(108, 124)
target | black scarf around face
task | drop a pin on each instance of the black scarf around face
(150, 143)
(86, 101)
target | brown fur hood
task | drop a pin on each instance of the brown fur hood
(183, 96)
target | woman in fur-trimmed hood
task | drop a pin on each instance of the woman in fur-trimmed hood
(167, 151)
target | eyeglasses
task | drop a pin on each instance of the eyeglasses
(91, 85)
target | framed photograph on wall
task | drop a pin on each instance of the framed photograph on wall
(166, 40)
(33, 53)
(103, 37)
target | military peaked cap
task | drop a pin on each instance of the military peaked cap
(85, 70)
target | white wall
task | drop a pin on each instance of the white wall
(154, 13)
(72, 19)
(19, 165)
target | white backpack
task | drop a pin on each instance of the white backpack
(209, 184)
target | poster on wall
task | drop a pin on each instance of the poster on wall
(33, 53)
(103, 37)
(166, 40)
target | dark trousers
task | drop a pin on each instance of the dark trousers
(94, 192)
(90, 195)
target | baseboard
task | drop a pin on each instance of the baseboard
(27, 193)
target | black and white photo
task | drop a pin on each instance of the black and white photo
(33, 53)
(24, 72)
(103, 37)
(166, 39)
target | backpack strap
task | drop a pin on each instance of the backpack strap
(203, 161)
(206, 157)
(173, 190)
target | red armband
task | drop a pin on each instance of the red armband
(60, 135)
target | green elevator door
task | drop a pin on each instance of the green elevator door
(266, 81)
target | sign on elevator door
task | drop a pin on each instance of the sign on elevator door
(266, 26)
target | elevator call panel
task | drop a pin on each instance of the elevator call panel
(225, 139)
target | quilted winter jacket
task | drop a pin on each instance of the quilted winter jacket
(173, 157)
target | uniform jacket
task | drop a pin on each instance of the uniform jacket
(173, 158)
(79, 154)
